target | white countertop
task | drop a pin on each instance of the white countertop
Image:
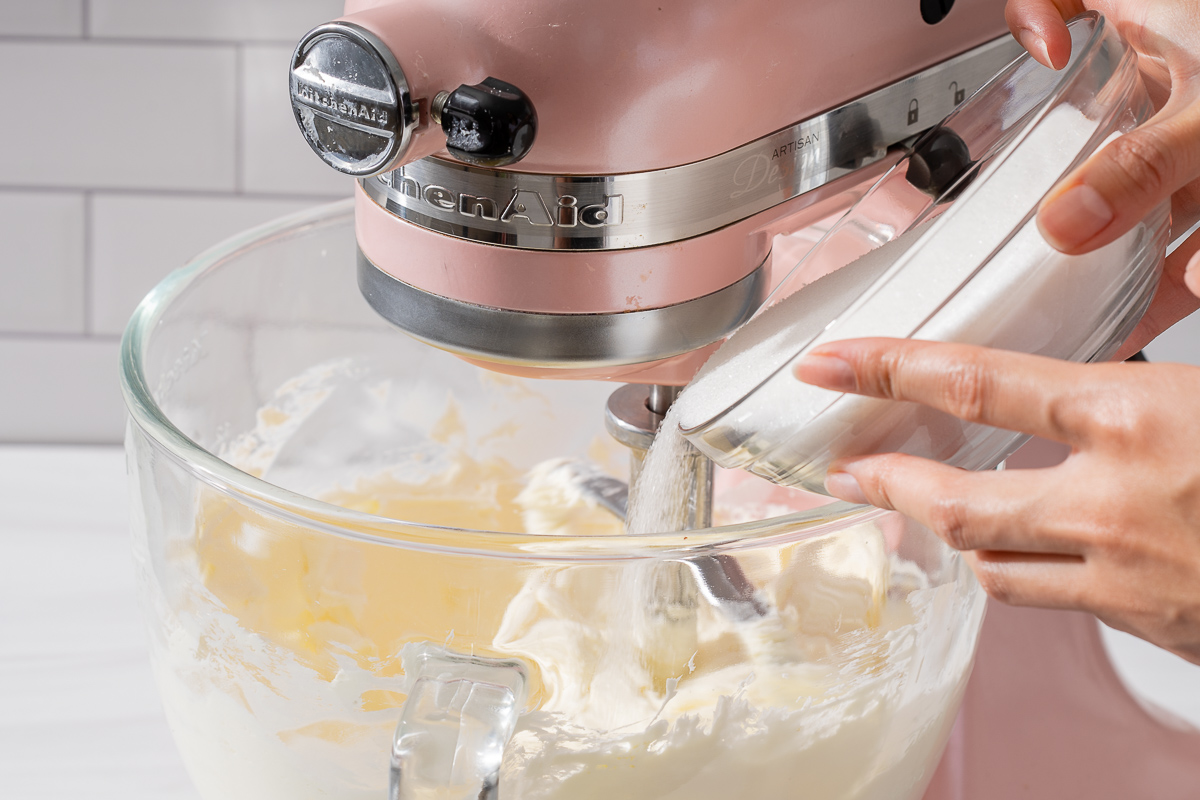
(79, 714)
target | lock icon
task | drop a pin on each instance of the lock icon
(913, 112)
(959, 94)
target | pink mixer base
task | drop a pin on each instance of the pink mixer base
(1046, 717)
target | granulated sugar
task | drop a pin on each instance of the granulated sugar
(659, 499)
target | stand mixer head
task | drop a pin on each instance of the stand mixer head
(599, 196)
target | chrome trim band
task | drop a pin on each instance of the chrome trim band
(561, 340)
(602, 212)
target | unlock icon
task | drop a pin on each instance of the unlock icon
(913, 112)
(959, 94)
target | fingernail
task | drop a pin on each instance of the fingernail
(1036, 46)
(1191, 274)
(843, 486)
(829, 372)
(1074, 216)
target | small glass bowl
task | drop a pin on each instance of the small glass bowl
(972, 268)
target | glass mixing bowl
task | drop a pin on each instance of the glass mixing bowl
(343, 601)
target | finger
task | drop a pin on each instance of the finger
(1021, 579)
(993, 387)
(1012, 510)
(1191, 273)
(1122, 183)
(1040, 27)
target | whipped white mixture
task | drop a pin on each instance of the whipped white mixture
(820, 699)
(868, 723)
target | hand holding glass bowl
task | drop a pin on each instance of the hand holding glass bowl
(1114, 529)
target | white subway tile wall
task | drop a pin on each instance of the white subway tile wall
(216, 20)
(42, 284)
(159, 128)
(60, 389)
(137, 116)
(134, 235)
(41, 18)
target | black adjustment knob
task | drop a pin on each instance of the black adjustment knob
(490, 124)
(934, 11)
(939, 163)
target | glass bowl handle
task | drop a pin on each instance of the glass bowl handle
(460, 713)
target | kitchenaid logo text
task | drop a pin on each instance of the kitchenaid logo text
(345, 107)
(524, 206)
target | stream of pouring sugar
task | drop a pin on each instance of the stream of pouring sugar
(659, 504)
(658, 501)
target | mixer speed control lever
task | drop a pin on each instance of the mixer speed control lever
(490, 124)
(940, 164)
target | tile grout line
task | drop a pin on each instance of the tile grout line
(239, 120)
(87, 264)
(85, 13)
(134, 41)
(51, 336)
(211, 194)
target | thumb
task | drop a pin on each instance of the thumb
(1122, 183)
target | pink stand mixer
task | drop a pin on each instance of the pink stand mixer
(614, 215)
(607, 190)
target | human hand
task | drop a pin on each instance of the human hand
(1119, 185)
(1114, 529)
